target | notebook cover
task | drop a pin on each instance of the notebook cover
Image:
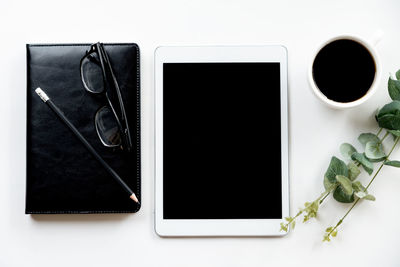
(62, 176)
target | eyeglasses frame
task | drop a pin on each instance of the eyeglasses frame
(122, 120)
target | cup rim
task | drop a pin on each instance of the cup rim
(371, 90)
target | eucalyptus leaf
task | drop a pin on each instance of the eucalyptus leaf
(376, 114)
(389, 121)
(326, 238)
(369, 197)
(354, 171)
(364, 138)
(391, 108)
(394, 88)
(345, 183)
(376, 160)
(347, 150)
(393, 163)
(336, 167)
(374, 150)
(357, 186)
(395, 132)
(389, 116)
(398, 75)
(314, 207)
(365, 196)
(327, 183)
(360, 194)
(341, 196)
(293, 224)
(367, 165)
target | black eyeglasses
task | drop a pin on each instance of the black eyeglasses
(98, 78)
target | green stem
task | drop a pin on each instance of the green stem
(380, 167)
(358, 199)
(395, 143)
(326, 193)
(380, 142)
(321, 198)
(373, 178)
(341, 220)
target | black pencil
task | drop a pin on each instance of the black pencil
(89, 147)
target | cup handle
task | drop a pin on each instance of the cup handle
(376, 37)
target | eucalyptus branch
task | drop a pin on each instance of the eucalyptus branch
(310, 208)
(340, 178)
(333, 231)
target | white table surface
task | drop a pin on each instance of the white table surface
(368, 237)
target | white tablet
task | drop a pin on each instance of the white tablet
(221, 140)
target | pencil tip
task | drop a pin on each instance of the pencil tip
(134, 198)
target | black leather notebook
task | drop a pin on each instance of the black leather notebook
(62, 176)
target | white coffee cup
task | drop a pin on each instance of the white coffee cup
(370, 47)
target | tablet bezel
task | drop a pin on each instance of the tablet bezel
(210, 54)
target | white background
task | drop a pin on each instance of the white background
(368, 237)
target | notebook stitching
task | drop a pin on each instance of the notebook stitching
(137, 123)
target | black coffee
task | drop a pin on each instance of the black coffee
(344, 70)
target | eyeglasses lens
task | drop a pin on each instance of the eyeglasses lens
(92, 75)
(107, 127)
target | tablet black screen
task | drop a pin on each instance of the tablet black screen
(222, 141)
